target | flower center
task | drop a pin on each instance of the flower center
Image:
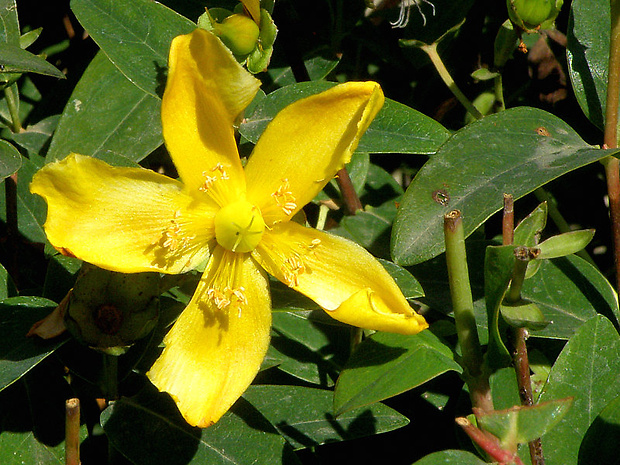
(239, 226)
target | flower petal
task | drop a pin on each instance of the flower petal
(205, 93)
(253, 7)
(306, 144)
(212, 354)
(123, 219)
(339, 275)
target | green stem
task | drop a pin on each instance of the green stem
(513, 295)
(12, 101)
(499, 93)
(463, 307)
(323, 211)
(110, 377)
(431, 51)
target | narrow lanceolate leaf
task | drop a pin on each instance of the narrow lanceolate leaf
(386, 364)
(18, 353)
(515, 152)
(587, 369)
(15, 60)
(107, 117)
(565, 244)
(135, 35)
(396, 129)
(305, 415)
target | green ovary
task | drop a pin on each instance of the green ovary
(239, 226)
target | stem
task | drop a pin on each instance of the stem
(320, 222)
(431, 51)
(498, 87)
(520, 356)
(463, 307)
(72, 432)
(611, 132)
(349, 196)
(110, 377)
(10, 94)
(508, 220)
(513, 295)
(488, 443)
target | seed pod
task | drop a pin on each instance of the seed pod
(531, 15)
(109, 311)
(238, 32)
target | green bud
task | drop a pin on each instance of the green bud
(506, 43)
(109, 311)
(238, 32)
(564, 244)
(530, 15)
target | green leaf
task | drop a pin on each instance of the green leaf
(7, 287)
(564, 244)
(31, 209)
(528, 231)
(35, 138)
(305, 349)
(9, 24)
(160, 435)
(587, 53)
(498, 268)
(409, 286)
(370, 228)
(519, 425)
(13, 59)
(569, 291)
(396, 129)
(10, 159)
(107, 117)
(318, 67)
(24, 448)
(451, 457)
(18, 353)
(588, 369)
(600, 445)
(386, 364)
(523, 314)
(514, 151)
(304, 415)
(135, 35)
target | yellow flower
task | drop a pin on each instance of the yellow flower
(135, 220)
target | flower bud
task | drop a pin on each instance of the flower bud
(530, 15)
(109, 311)
(239, 32)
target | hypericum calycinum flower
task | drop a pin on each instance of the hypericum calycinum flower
(134, 220)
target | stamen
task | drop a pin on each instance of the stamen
(217, 173)
(229, 298)
(285, 198)
(405, 7)
(172, 237)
